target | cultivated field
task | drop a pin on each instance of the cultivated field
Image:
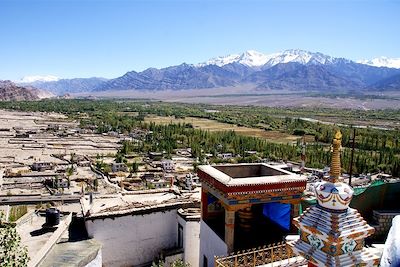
(214, 126)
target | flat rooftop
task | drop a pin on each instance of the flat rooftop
(67, 254)
(33, 233)
(136, 202)
(190, 214)
(250, 174)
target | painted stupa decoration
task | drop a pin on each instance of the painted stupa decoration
(332, 233)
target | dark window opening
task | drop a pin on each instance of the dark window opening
(180, 236)
(205, 261)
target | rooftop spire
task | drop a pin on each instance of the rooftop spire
(335, 165)
(331, 233)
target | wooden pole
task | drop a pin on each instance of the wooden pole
(303, 154)
(352, 155)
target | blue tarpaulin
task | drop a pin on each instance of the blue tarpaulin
(278, 213)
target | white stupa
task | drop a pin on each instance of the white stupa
(331, 233)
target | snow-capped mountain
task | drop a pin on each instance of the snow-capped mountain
(38, 78)
(293, 69)
(290, 69)
(249, 58)
(299, 56)
(382, 62)
(253, 58)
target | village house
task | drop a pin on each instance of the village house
(42, 166)
(119, 167)
(155, 155)
(148, 223)
(225, 155)
(158, 183)
(168, 165)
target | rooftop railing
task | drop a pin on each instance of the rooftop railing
(273, 255)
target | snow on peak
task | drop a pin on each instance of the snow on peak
(253, 58)
(299, 56)
(38, 78)
(249, 58)
(220, 61)
(382, 62)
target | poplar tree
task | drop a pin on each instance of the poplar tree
(12, 253)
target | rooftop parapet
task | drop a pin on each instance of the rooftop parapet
(247, 178)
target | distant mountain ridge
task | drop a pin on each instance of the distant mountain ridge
(382, 62)
(391, 83)
(38, 78)
(288, 70)
(302, 77)
(11, 91)
(183, 76)
(66, 86)
(253, 58)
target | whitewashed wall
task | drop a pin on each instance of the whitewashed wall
(191, 241)
(210, 244)
(134, 240)
(96, 262)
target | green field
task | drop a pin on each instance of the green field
(215, 126)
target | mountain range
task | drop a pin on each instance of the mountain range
(11, 91)
(296, 70)
(65, 86)
(382, 62)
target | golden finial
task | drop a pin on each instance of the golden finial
(338, 135)
(335, 165)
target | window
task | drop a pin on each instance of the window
(180, 236)
(205, 261)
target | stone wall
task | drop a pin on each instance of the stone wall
(383, 222)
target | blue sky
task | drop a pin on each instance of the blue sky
(85, 38)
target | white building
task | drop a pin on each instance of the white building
(225, 155)
(168, 165)
(135, 228)
(158, 183)
(189, 234)
(41, 166)
(191, 181)
(119, 167)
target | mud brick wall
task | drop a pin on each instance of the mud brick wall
(383, 222)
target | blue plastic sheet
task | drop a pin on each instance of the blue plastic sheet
(278, 213)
